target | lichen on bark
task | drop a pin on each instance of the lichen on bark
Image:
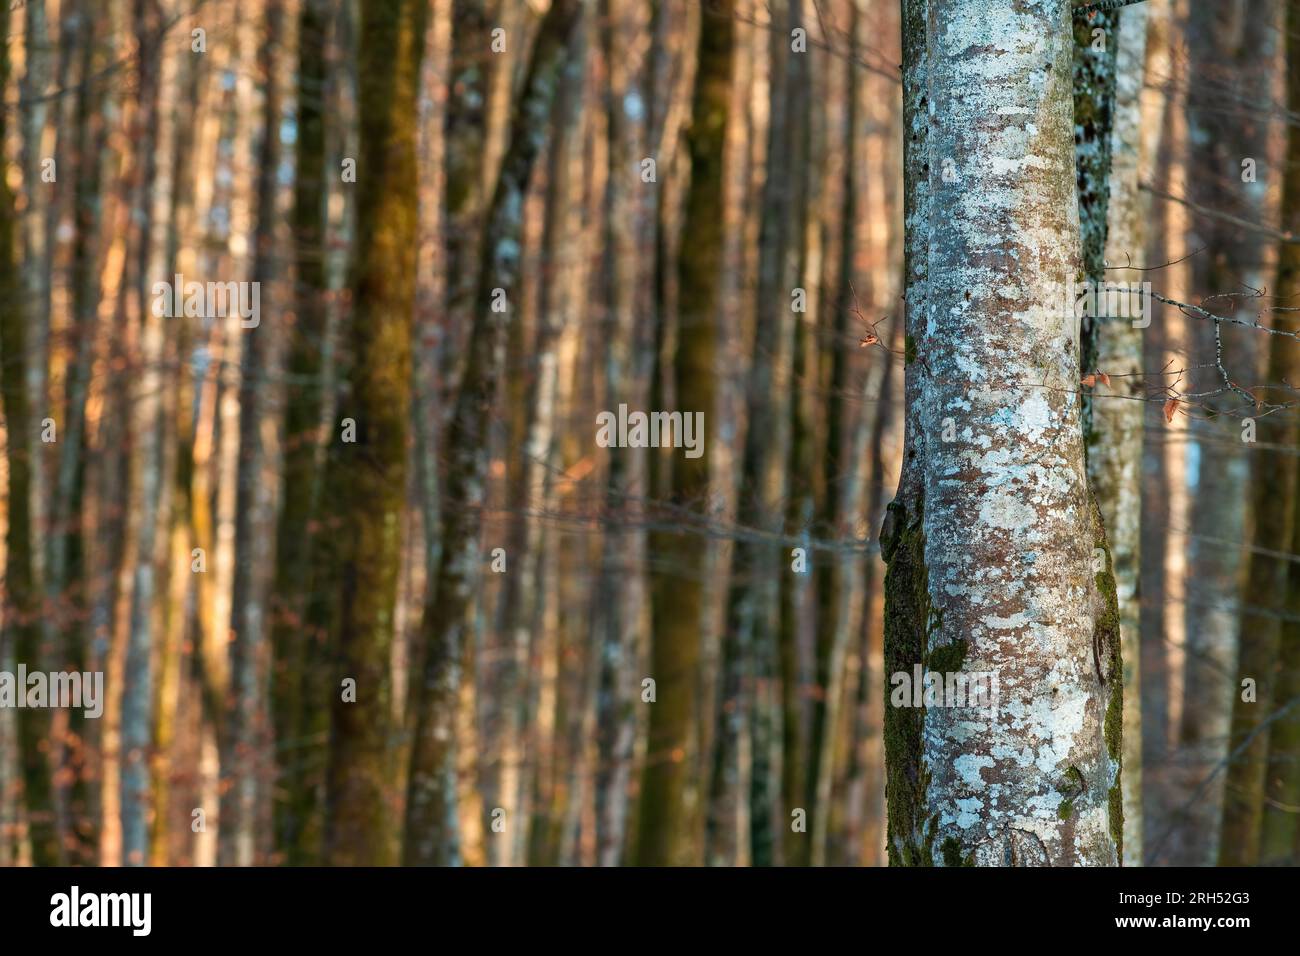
(990, 542)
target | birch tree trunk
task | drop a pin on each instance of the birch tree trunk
(998, 563)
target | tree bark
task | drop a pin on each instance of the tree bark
(367, 478)
(1115, 452)
(291, 635)
(992, 540)
(1253, 783)
(668, 814)
(247, 763)
(630, 205)
(431, 815)
(22, 629)
(152, 208)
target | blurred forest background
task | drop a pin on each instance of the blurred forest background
(475, 225)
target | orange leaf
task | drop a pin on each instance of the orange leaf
(871, 339)
(1171, 406)
(1090, 380)
(1105, 379)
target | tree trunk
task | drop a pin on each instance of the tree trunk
(366, 480)
(151, 214)
(749, 630)
(1220, 38)
(1003, 570)
(247, 763)
(291, 637)
(431, 815)
(629, 219)
(1253, 782)
(1115, 455)
(22, 630)
(667, 824)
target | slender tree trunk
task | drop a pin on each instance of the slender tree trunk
(1230, 49)
(751, 602)
(1255, 787)
(431, 814)
(291, 641)
(65, 567)
(22, 630)
(668, 815)
(630, 253)
(247, 761)
(152, 213)
(38, 53)
(1115, 454)
(177, 579)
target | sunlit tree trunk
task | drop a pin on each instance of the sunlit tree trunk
(1004, 569)
(247, 760)
(667, 824)
(431, 815)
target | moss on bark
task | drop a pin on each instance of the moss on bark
(1106, 642)
(910, 825)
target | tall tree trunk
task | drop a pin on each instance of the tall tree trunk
(22, 630)
(749, 630)
(1233, 41)
(630, 251)
(1115, 442)
(366, 480)
(994, 572)
(247, 763)
(151, 214)
(431, 814)
(1253, 784)
(38, 54)
(65, 579)
(291, 640)
(668, 815)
